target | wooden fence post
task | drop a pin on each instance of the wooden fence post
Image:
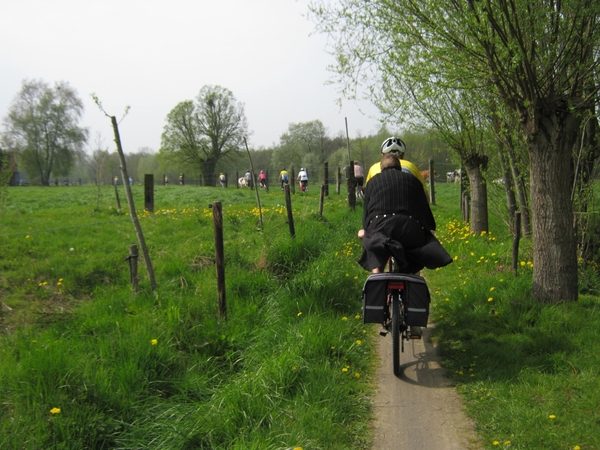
(117, 195)
(149, 192)
(517, 233)
(293, 181)
(339, 181)
(133, 267)
(432, 181)
(326, 178)
(290, 215)
(350, 186)
(321, 200)
(267, 180)
(220, 257)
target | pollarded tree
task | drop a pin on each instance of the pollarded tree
(42, 126)
(203, 131)
(541, 57)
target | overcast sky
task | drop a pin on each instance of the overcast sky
(152, 54)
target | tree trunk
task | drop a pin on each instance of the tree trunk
(509, 187)
(520, 189)
(554, 241)
(479, 205)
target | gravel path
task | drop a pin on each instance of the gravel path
(420, 410)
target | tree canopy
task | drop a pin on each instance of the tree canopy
(537, 57)
(42, 126)
(202, 131)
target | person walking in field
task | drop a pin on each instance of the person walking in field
(222, 179)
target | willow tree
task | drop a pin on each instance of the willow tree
(203, 131)
(539, 55)
(42, 126)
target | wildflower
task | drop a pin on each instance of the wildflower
(299, 314)
(297, 448)
(356, 277)
(577, 447)
(154, 341)
(358, 316)
(522, 263)
(55, 411)
(357, 375)
(358, 342)
(294, 367)
(506, 442)
(344, 318)
(552, 416)
(492, 288)
(333, 347)
(347, 274)
(344, 369)
(490, 299)
(27, 237)
(496, 443)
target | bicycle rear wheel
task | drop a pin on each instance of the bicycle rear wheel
(396, 332)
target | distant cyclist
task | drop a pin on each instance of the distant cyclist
(284, 178)
(262, 179)
(303, 179)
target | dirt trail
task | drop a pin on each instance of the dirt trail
(420, 409)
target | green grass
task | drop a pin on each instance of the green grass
(292, 365)
(528, 371)
(289, 367)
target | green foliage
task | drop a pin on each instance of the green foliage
(201, 132)
(41, 126)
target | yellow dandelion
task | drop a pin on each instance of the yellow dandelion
(523, 263)
(357, 375)
(344, 318)
(490, 299)
(552, 416)
(358, 316)
(345, 369)
(297, 448)
(496, 443)
(577, 447)
(27, 237)
(492, 288)
(55, 411)
(356, 277)
(506, 442)
(358, 342)
(299, 314)
(333, 347)
(294, 367)
(154, 341)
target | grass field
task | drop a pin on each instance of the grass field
(84, 363)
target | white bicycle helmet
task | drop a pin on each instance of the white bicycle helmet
(394, 145)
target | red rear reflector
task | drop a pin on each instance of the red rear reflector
(395, 285)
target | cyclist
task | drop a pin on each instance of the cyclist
(303, 179)
(262, 179)
(396, 147)
(359, 176)
(284, 177)
(397, 221)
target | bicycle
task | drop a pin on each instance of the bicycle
(399, 302)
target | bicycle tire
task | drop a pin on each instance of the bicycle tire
(396, 336)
